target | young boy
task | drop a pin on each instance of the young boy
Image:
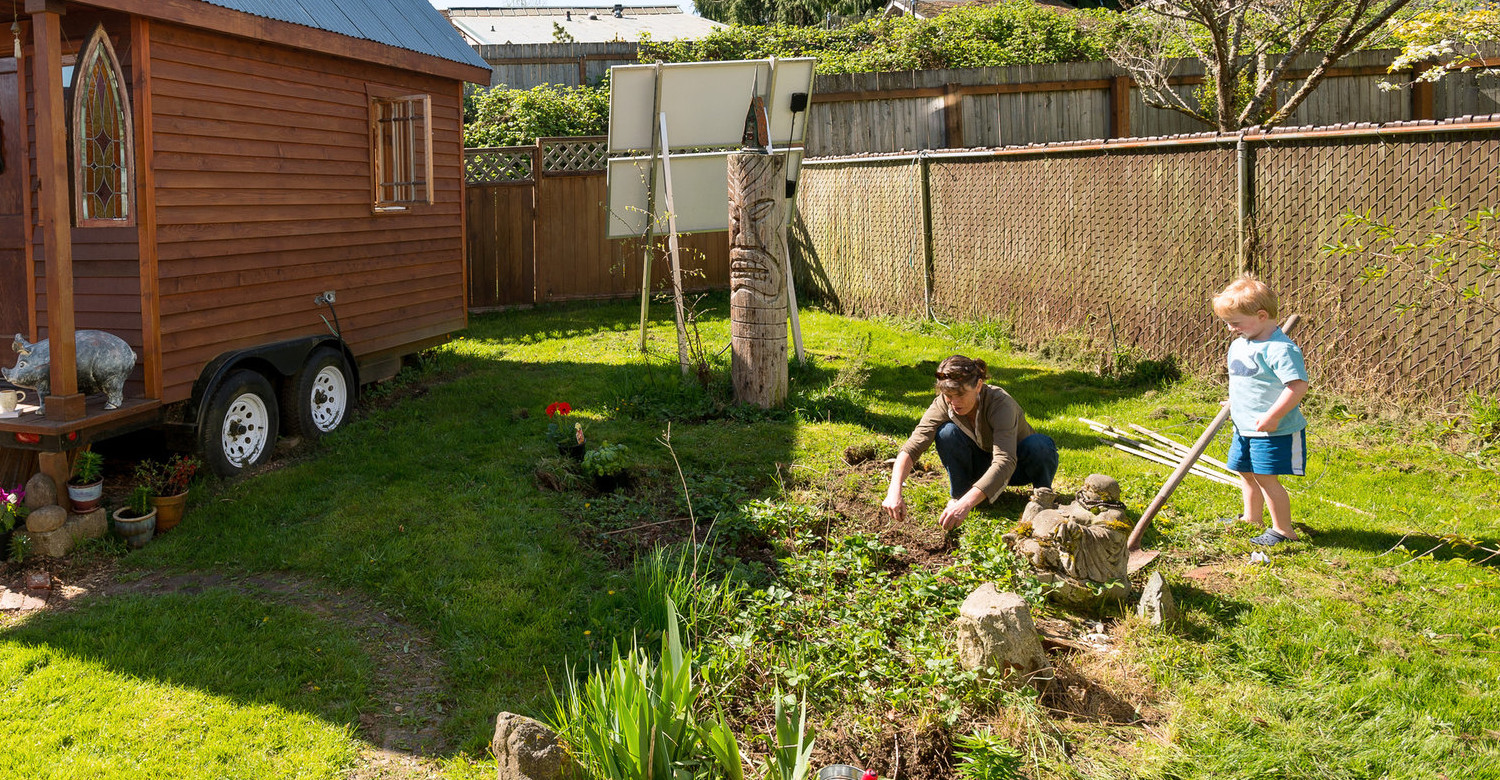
(1266, 382)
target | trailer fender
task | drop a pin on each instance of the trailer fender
(277, 362)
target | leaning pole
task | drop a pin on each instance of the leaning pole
(757, 279)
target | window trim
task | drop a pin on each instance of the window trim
(377, 97)
(98, 47)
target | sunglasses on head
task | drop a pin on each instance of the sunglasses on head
(954, 375)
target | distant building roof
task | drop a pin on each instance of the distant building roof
(927, 9)
(586, 24)
(407, 24)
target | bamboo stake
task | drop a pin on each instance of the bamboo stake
(1179, 446)
(1173, 456)
(1209, 475)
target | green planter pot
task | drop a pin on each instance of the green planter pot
(136, 531)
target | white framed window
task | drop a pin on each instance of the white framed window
(401, 151)
(103, 148)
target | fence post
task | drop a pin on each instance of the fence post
(953, 116)
(1119, 107)
(1244, 226)
(924, 171)
(1422, 104)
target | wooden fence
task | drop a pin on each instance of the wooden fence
(1121, 244)
(537, 230)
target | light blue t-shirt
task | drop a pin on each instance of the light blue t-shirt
(1258, 373)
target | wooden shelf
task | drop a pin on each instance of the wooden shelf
(31, 431)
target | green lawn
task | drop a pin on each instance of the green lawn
(411, 560)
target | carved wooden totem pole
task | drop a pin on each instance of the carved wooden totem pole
(757, 279)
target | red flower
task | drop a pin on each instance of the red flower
(560, 407)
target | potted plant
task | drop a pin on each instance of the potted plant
(607, 466)
(568, 442)
(86, 486)
(12, 512)
(168, 483)
(136, 521)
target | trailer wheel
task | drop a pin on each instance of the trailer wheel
(317, 401)
(239, 430)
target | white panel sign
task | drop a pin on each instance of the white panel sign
(706, 102)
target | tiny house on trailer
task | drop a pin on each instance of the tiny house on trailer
(264, 198)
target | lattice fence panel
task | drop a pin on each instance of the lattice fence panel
(1357, 339)
(498, 165)
(1126, 248)
(566, 155)
(857, 239)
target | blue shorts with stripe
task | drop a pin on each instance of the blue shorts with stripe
(1285, 454)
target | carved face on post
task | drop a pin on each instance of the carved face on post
(754, 240)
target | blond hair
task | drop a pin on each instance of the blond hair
(1246, 295)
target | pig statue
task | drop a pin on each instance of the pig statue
(104, 360)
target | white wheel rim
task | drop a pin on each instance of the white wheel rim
(330, 399)
(245, 433)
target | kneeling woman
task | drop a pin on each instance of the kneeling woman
(982, 438)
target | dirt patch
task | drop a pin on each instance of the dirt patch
(408, 682)
(900, 750)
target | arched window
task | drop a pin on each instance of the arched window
(102, 146)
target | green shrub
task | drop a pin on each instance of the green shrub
(607, 460)
(513, 117)
(985, 756)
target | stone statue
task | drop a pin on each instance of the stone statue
(757, 279)
(104, 360)
(1080, 547)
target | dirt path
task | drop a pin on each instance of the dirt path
(402, 734)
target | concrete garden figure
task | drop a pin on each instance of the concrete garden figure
(1078, 547)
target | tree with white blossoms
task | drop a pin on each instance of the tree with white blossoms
(1449, 36)
(1247, 48)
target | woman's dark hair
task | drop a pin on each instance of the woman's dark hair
(960, 373)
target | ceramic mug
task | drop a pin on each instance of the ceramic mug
(9, 399)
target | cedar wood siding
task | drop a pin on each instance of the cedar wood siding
(263, 200)
(106, 260)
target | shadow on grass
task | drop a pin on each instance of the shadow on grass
(1475, 550)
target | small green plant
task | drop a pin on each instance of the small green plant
(20, 547)
(608, 460)
(790, 757)
(88, 468)
(12, 510)
(986, 756)
(139, 502)
(1484, 418)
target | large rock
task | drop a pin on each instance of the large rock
(526, 749)
(40, 491)
(995, 631)
(1157, 605)
(89, 525)
(46, 518)
(53, 544)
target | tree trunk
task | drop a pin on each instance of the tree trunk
(757, 279)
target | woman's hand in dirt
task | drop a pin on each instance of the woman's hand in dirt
(895, 505)
(953, 515)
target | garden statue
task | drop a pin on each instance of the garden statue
(757, 279)
(1079, 547)
(104, 360)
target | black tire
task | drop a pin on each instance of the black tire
(318, 400)
(239, 431)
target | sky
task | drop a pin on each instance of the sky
(685, 5)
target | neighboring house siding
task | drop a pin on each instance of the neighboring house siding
(263, 174)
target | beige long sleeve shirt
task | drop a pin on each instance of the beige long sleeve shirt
(999, 424)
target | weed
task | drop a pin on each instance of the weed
(985, 756)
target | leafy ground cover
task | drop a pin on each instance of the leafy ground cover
(388, 592)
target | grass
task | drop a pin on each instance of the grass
(1367, 651)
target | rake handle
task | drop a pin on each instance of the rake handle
(1181, 472)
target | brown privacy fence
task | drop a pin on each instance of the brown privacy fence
(536, 227)
(1125, 242)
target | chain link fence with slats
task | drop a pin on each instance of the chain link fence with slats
(1122, 246)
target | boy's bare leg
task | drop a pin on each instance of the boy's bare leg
(1278, 502)
(1254, 501)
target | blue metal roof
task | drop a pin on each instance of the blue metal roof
(408, 24)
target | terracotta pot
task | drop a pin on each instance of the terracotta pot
(85, 498)
(135, 530)
(169, 510)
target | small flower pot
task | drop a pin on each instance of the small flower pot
(169, 511)
(136, 531)
(85, 498)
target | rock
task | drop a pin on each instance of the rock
(38, 580)
(526, 749)
(40, 491)
(53, 544)
(1082, 595)
(89, 525)
(45, 518)
(1157, 605)
(995, 631)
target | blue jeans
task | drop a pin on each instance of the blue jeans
(1036, 460)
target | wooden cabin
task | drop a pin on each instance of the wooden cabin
(194, 175)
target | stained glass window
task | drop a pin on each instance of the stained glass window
(102, 151)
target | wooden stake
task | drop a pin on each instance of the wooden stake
(666, 169)
(650, 207)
